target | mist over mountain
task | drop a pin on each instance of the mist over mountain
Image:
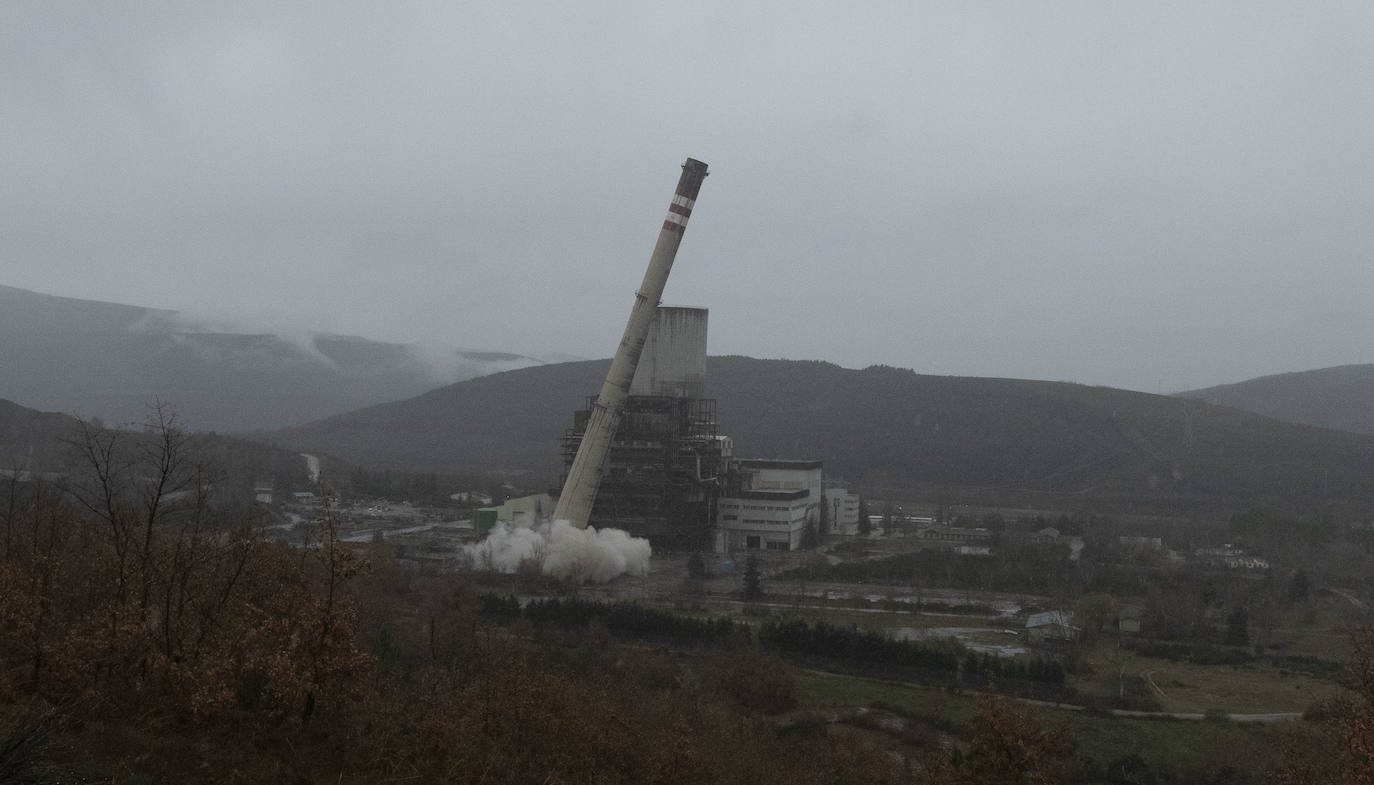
(112, 361)
(884, 427)
(1341, 398)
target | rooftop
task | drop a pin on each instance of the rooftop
(781, 496)
(1062, 618)
(779, 463)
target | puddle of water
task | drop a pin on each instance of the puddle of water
(966, 636)
(1004, 608)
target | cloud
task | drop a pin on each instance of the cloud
(985, 187)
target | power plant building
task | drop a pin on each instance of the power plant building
(672, 477)
(646, 455)
(842, 508)
(587, 466)
(768, 505)
(666, 457)
(673, 363)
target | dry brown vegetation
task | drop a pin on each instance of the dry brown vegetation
(1337, 748)
(148, 637)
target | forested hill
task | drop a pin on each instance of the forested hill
(507, 421)
(45, 444)
(1341, 398)
(33, 440)
(886, 427)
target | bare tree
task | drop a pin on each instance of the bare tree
(135, 483)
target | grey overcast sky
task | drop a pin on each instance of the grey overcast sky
(1148, 195)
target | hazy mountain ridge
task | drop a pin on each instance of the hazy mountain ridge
(886, 427)
(1341, 397)
(107, 360)
(45, 445)
(33, 440)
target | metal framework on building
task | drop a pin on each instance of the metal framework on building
(662, 472)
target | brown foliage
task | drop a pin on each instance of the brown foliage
(1338, 747)
(516, 718)
(756, 681)
(136, 607)
(125, 594)
(235, 634)
(1008, 746)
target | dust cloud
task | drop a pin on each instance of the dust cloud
(562, 551)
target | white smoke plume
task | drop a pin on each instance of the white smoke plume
(563, 551)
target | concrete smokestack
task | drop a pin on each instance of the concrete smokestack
(579, 491)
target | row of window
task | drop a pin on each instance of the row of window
(773, 545)
(766, 521)
(774, 485)
(735, 506)
(758, 521)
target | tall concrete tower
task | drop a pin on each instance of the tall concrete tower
(673, 362)
(579, 490)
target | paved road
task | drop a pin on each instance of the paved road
(1280, 716)
(1283, 716)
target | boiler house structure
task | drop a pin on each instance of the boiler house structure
(661, 474)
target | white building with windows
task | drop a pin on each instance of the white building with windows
(771, 505)
(842, 507)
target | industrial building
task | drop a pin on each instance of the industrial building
(522, 511)
(645, 455)
(671, 476)
(662, 470)
(842, 510)
(587, 467)
(768, 505)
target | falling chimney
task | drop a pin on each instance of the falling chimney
(579, 490)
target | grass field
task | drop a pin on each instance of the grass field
(1165, 745)
(829, 690)
(1252, 688)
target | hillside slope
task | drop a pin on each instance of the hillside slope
(886, 427)
(33, 440)
(1341, 398)
(112, 361)
(44, 444)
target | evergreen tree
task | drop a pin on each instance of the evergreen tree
(1238, 626)
(753, 580)
(1299, 587)
(696, 566)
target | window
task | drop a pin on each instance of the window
(752, 543)
(777, 546)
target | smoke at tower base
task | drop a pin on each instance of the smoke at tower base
(562, 551)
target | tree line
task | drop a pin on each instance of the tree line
(624, 618)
